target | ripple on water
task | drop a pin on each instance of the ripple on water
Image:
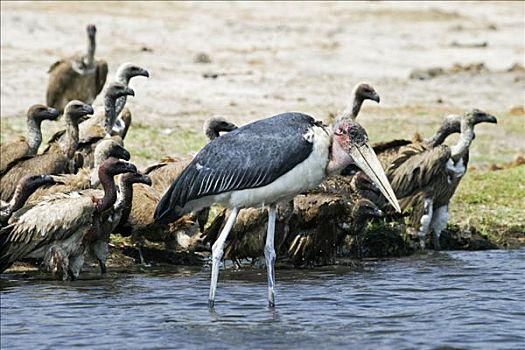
(460, 299)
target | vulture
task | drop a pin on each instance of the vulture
(27, 146)
(25, 187)
(425, 177)
(137, 219)
(125, 72)
(56, 159)
(106, 223)
(387, 152)
(361, 92)
(85, 178)
(63, 227)
(80, 77)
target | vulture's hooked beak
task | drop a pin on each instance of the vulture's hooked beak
(365, 158)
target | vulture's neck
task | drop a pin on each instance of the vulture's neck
(124, 200)
(351, 111)
(34, 135)
(90, 57)
(72, 133)
(111, 114)
(463, 144)
(110, 193)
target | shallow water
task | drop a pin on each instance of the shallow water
(469, 300)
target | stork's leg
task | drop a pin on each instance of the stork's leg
(425, 221)
(269, 254)
(439, 222)
(216, 252)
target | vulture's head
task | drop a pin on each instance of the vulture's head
(113, 166)
(364, 91)
(214, 126)
(40, 112)
(91, 30)
(126, 71)
(116, 90)
(364, 208)
(78, 111)
(109, 148)
(477, 116)
(135, 178)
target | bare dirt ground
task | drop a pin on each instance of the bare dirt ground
(275, 57)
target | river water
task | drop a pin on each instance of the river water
(473, 300)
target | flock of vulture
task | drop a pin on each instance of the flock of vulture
(63, 204)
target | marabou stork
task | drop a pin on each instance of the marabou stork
(265, 162)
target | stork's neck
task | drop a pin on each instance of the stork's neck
(338, 158)
(34, 135)
(90, 57)
(110, 193)
(72, 136)
(111, 113)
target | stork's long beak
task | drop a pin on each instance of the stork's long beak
(366, 159)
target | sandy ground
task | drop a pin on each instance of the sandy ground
(277, 57)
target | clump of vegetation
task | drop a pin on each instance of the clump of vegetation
(386, 239)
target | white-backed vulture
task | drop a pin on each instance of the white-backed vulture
(61, 228)
(426, 178)
(137, 220)
(79, 77)
(360, 93)
(106, 223)
(56, 159)
(27, 146)
(125, 72)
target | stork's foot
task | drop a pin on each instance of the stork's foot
(102, 266)
(437, 245)
(71, 276)
(271, 298)
(211, 303)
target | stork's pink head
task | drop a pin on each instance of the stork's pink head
(350, 134)
(351, 141)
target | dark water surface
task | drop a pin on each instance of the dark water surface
(473, 300)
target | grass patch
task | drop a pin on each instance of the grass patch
(491, 201)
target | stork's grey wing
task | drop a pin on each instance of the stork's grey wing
(249, 157)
